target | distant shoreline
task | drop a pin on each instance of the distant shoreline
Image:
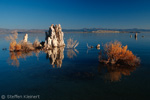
(72, 32)
(84, 30)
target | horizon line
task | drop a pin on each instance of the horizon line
(71, 28)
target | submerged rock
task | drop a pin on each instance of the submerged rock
(4, 49)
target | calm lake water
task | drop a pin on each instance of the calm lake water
(76, 74)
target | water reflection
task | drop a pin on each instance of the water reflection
(82, 75)
(136, 38)
(71, 53)
(55, 56)
(114, 73)
(15, 56)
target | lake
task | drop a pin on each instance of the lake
(76, 74)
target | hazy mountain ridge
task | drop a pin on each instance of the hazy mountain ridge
(84, 30)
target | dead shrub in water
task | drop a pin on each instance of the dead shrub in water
(71, 43)
(21, 46)
(26, 46)
(115, 53)
(12, 39)
(36, 43)
(17, 47)
(12, 45)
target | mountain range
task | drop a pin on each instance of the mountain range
(84, 30)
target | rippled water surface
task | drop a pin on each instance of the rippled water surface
(76, 74)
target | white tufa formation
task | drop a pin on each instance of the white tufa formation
(25, 38)
(54, 37)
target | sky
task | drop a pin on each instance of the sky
(75, 14)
